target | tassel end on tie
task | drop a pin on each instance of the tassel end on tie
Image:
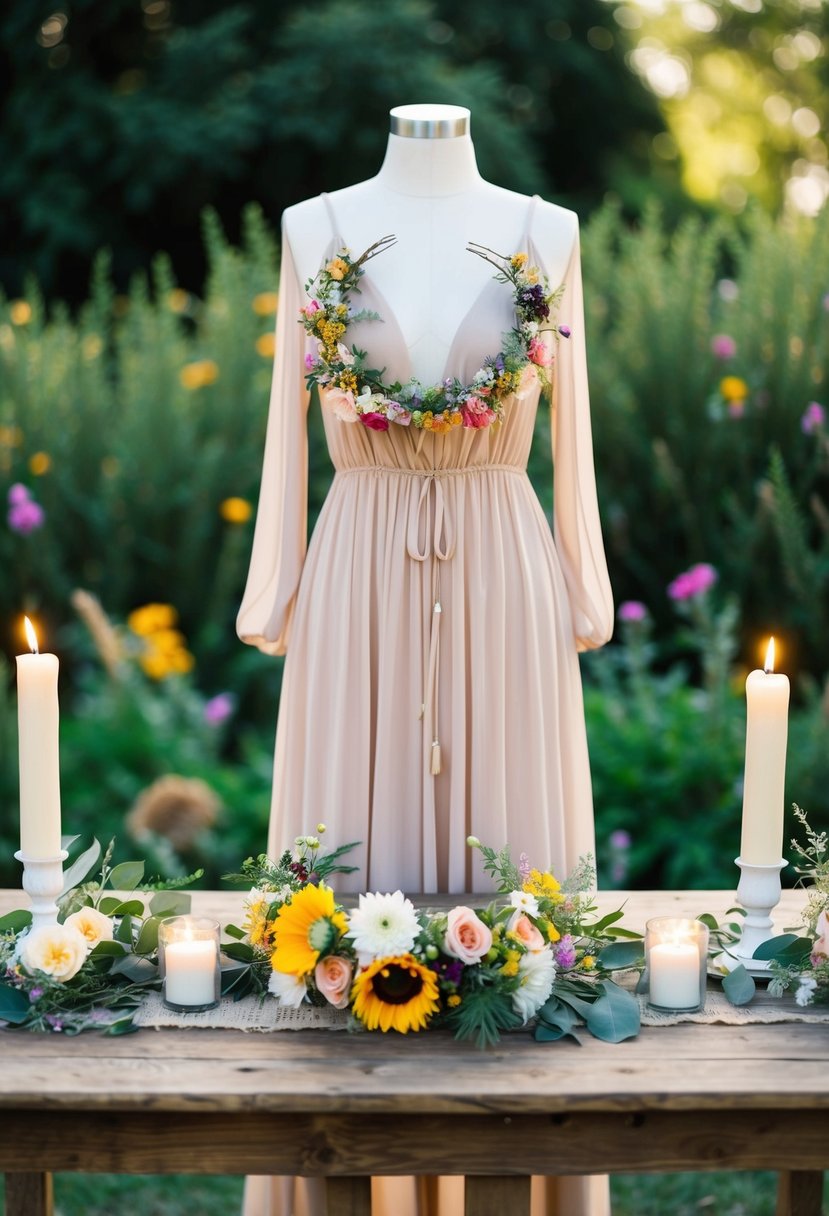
(435, 765)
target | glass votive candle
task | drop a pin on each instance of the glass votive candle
(676, 961)
(188, 963)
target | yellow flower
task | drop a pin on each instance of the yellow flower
(544, 886)
(510, 967)
(155, 665)
(518, 260)
(396, 993)
(40, 463)
(733, 388)
(266, 345)
(588, 962)
(178, 299)
(10, 436)
(150, 618)
(306, 928)
(199, 373)
(91, 347)
(20, 312)
(257, 926)
(552, 932)
(453, 1001)
(338, 269)
(92, 925)
(235, 510)
(265, 303)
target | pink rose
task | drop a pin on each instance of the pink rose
(476, 413)
(310, 308)
(538, 353)
(332, 976)
(342, 403)
(375, 422)
(467, 937)
(523, 928)
(821, 946)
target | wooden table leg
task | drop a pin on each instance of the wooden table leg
(348, 1196)
(800, 1193)
(497, 1196)
(29, 1195)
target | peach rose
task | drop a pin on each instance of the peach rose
(821, 945)
(332, 976)
(342, 403)
(467, 937)
(523, 928)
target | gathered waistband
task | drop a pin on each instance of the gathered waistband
(464, 471)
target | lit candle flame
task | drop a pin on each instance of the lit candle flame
(768, 666)
(31, 636)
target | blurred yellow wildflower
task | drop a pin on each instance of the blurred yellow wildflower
(110, 466)
(149, 618)
(10, 436)
(199, 373)
(20, 312)
(265, 303)
(40, 463)
(178, 299)
(733, 388)
(91, 347)
(235, 510)
(266, 345)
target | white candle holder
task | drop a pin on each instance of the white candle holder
(759, 893)
(43, 883)
(188, 963)
(676, 955)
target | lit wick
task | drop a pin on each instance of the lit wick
(31, 636)
(768, 666)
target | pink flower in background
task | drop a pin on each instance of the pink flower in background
(736, 409)
(219, 708)
(18, 493)
(310, 362)
(538, 353)
(24, 515)
(814, 416)
(693, 582)
(723, 346)
(632, 610)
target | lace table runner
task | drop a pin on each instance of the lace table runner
(253, 1014)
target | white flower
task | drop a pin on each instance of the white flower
(288, 989)
(383, 925)
(536, 972)
(94, 926)
(806, 990)
(58, 950)
(526, 902)
(347, 358)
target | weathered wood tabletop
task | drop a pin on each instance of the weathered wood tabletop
(686, 1097)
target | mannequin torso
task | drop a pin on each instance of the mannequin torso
(430, 194)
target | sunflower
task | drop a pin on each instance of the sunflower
(395, 994)
(306, 928)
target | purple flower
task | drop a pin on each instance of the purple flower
(723, 346)
(564, 952)
(54, 1021)
(35, 994)
(565, 331)
(524, 867)
(533, 303)
(310, 362)
(219, 708)
(450, 972)
(25, 517)
(693, 582)
(18, 493)
(814, 416)
(620, 839)
(632, 610)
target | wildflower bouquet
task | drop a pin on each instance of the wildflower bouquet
(534, 952)
(356, 392)
(90, 969)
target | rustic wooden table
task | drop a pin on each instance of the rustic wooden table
(687, 1097)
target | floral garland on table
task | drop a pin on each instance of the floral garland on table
(356, 393)
(91, 969)
(535, 953)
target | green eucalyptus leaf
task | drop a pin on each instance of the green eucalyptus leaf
(170, 903)
(124, 931)
(786, 947)
(233, 976)
(545, 1033)
(614, 1017)
(126, 876)
(621, 954)
(106, 949)
(122, 1026)
(81, 867)
(137, 970)
(14, 1004)
(130, 907)
(738, 986)
(147, 940)
(241, 952)
(108, 904)
(15, 922)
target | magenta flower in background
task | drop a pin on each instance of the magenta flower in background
(620, 839)
(693, 582)
(632, 610)
(18, 493)
(723, 346)
(814, 416)
(25, 515)
(620, 842)
(219, 708)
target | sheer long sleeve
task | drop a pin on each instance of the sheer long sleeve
(280, 537)
(577, 527)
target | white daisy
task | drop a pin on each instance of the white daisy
(287, 989)
(383, 925)
(806, 990)
(536, 972)
(526, 902)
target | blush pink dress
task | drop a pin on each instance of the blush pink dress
(433, 606)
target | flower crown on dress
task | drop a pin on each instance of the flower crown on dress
(357, 393)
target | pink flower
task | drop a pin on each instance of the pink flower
(538, 353)
(632, 610)
(476, 412)
(18, 493)
(693, 582)
(526, 932)
(310, 362)
(310, 308)
(723, 346)
(219, 708)
(467, 937)
(528, 381)
(25, 517)
(565, 331)
(398, 413)
(736, 409)
(814, 416)
(332, 976)
(375, 422)
(342, 403)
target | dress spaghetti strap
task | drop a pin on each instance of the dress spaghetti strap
(332, 219)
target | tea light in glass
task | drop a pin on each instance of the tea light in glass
(188, 963)
(676, 956)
